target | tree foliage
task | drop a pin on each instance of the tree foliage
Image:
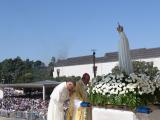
(23, 71)
(64, 78)
(17, 70)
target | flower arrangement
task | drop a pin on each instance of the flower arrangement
(121, 89)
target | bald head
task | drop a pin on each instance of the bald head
(85, 78)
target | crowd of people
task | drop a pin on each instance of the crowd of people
(11, 102)
(22, 104)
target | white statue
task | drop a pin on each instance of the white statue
(124, 52)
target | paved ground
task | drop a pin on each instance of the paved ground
(2, 118)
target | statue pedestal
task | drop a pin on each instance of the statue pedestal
(112, 114)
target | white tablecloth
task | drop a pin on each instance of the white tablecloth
(112, 114)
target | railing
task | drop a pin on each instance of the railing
(24, 115)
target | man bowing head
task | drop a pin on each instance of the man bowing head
(59, 95)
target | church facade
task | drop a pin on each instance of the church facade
(76, 66)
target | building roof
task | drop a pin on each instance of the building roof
(75, 61)
(141, 53)
(39, 84)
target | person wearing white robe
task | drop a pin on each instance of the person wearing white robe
(59, 95)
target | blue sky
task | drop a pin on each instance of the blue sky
(40, 29)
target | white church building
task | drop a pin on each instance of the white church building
(76, 66)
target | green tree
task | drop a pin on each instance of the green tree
(18, 71)
(51, 66)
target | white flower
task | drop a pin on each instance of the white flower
(107, 79)
(131, 87)
(121, 76)
(103, 93)
(122, 92)
(118, 81)
(113, 81)
(87, 90)
(112, 84)
(140, 92)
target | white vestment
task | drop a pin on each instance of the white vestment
(57, 98)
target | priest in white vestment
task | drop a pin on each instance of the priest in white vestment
(59, 95)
